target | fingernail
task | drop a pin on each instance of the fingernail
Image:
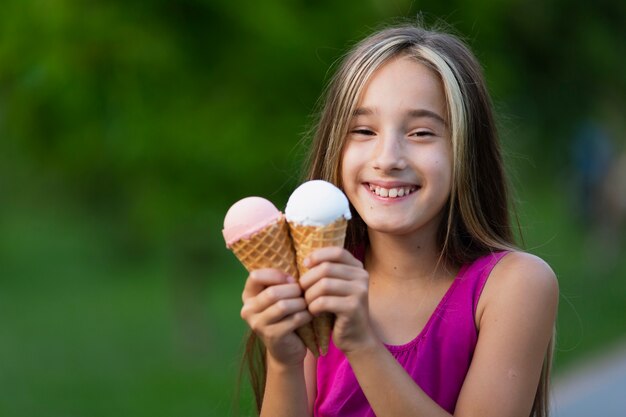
(306, 262)
(291, 279)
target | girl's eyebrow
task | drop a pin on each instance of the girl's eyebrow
(362, 111)
(413, 113)
(419, 113)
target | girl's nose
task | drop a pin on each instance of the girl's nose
(389, 154)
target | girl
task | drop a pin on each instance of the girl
(437, 312)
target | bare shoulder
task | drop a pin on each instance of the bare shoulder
(524, 271)
(515, 318)
(525, 267)
(520, 278)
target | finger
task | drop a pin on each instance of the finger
(331, 254)
(330, 286)
(333, 304)
(276, 312)
(260, 279)
(288, 324)
(273, 294)
(332, 270)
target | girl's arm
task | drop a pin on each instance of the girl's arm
(274, 308)
(515, 321)
(310, 376)
(285, 391)
(290, 390)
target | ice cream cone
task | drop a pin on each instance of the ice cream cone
(271, 247)
(307, 239)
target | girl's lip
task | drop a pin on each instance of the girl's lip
(391, 184)
(370, 186)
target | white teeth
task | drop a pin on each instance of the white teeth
(391, 192)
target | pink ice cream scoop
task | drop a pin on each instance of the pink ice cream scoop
(257, 233)
(246, 217)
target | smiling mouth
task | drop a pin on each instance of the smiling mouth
(392, 192)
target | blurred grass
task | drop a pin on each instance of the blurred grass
(85, 334)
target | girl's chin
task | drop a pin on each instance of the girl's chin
(400, 226)
(389, 228)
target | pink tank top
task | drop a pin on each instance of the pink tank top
(437, 359)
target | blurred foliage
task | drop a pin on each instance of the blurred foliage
(144, 110)
(128, 128)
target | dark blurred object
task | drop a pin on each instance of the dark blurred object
(598, 180)
(592, 156)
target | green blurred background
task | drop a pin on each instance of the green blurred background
(128, 128)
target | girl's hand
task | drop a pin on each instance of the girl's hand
(337, 283)
(274, 308)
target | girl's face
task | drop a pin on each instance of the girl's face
(397, 160)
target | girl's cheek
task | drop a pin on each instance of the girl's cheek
(350, 162)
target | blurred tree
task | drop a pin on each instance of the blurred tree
(155, 112)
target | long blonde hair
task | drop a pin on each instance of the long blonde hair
(478, 220)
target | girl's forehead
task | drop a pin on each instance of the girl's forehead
(402, 83)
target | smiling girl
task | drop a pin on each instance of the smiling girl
(437, 312)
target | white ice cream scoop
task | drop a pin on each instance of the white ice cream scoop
(317, 203)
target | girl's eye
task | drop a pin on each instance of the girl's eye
(365, 132)
(422, 133)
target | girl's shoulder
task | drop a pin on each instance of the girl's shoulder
(522, 268)
(519, 279)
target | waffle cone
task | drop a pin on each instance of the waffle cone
(307, 239)
(271, 248)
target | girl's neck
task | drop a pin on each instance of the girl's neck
(410, 258)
